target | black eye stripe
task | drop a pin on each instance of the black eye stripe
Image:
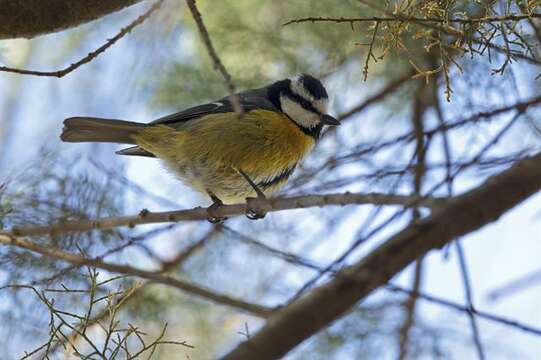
(307, 105)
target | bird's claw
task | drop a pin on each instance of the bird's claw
(257, 208)
(212, 215)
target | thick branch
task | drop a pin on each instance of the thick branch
(29, 18)
(92, 55)
(306, 263)
(146, 217)
(466, 213)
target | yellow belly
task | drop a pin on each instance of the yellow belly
(205, 152)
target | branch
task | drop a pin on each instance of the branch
(401, 18)
(254, 309)
(323, 305)
(430, 24)
(468, 310)
(390, 88)
(37, 17)
(278, 204)
(309, 264)
(420, 106)
(91, 56)
(460, 252)
(218, 65)
(515, 285)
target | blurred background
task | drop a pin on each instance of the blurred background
(389, 81)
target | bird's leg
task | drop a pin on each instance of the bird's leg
(256, 208)
(211, 210)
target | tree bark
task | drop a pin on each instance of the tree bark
(29, 18)
(325, 304)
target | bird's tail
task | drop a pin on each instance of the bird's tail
(85, 129)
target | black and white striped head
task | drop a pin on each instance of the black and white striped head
(304, 100)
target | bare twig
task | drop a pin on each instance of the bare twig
(309, 264)
(92, 55)
(401, 18)
(439, 24)
(119, 301)
(62, 318)
(468, 293)
(419, 109)
(218, 65)
(451, 125)
(410, 306)
(449, 178)
(391, 87)
(515, 285)
(155, 277)
(370, 53)
(180, 258)
(468, 310)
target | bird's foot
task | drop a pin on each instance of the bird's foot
(257, 208)
(212, 210)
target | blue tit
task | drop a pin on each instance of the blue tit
(215, 151)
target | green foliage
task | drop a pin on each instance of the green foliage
(255, 47)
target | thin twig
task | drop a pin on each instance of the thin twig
(92, 55)
(155, 277)
(433, 23)
(218, 65)
(298, 260)
(469, 300)
(468, 310)
(419, 109)
(462, 260)
(391, 87)
(525, 281)
(188, 252)
(401, 18)
(325, 304)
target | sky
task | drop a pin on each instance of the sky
(496, 254)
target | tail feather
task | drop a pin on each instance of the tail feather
(85, 129)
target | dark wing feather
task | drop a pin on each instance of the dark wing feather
(194, 113)
(249, 99)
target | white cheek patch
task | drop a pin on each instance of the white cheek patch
(299, 114)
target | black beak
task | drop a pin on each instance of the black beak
(329, 120)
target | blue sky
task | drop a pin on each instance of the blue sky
(116, 85)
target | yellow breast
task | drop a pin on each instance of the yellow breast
(262, 143)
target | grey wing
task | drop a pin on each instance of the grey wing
(249, 99)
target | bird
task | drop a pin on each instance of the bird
(215, 151)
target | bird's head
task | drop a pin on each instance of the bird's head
(304, 100)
